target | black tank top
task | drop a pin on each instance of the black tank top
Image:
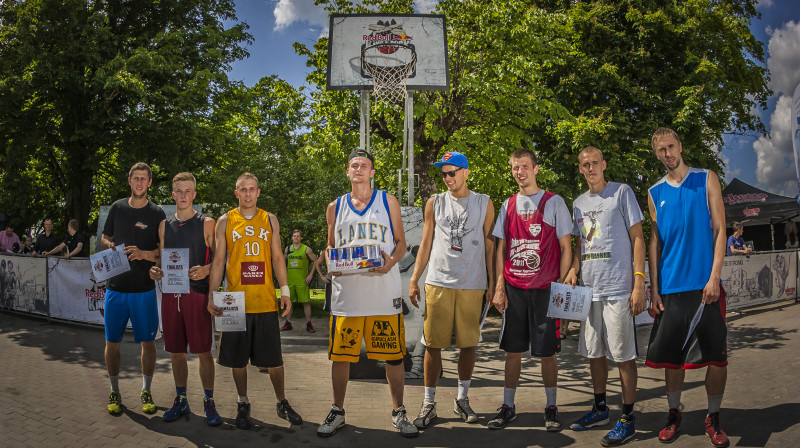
(182, 234)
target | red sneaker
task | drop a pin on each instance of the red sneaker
(310, 328)
(670, 431)
(287, 326)
(718, 436)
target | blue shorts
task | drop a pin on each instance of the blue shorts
(140, 307)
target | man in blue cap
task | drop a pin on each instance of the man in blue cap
(456, 240)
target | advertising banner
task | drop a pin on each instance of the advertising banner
(760, 278)
(74, 294)
(23, 283)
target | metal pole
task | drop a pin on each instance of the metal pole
(363, 124)
(408, 130)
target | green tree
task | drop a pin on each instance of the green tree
(88, 88)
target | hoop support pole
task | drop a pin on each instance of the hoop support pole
(408, 131)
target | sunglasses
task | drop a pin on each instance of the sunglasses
(450, 173)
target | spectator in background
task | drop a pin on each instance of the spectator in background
(27, 248)
(46, 242)
(736, 244)
(73, 242)
(9, 241)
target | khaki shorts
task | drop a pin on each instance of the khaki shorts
(448, 309)
(384, 337)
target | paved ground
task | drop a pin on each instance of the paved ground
(54, 390)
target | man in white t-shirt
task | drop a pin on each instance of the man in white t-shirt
(610, 260)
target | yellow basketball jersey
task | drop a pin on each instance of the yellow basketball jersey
(250, 260)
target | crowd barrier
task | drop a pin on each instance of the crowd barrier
(54, 287)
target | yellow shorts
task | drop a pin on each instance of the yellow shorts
(447, 309)
(384, 337)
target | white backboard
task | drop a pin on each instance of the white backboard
(349, 34)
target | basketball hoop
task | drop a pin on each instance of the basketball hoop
(389, 64)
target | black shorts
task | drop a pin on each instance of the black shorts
(706, 346)
(260, 344)
(527, 324)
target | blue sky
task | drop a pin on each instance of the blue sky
(767, 163)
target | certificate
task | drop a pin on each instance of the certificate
(570, 303)
(175, 264)
(109, 262)
(232, 306)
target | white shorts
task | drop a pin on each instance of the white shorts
(609, 331)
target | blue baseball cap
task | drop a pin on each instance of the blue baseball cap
(453, 158)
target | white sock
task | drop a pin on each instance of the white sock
(146, 382)
(674, 399)
(550, 393)
(714, 403)
(463, 388)
(430, 395)
(243, 399)
(508, 396)
(114, 380)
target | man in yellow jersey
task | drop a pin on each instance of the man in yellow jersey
(249, 238)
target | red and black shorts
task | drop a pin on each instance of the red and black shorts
(707, 345)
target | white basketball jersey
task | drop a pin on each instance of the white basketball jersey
(367, 294)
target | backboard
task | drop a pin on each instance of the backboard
(354, 38)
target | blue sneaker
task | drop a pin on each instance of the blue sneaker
(591, 419)
(179, 407)
(624, 430)
(212, 417)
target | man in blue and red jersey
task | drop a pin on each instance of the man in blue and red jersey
(687, 248)
(534, 248)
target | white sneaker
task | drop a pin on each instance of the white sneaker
(332, 423)
(463, 409)
(426, 415)
(403, 425)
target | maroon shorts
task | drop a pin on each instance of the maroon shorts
(186, 321)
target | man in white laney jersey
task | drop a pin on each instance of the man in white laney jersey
(456, 238)
(367, 305)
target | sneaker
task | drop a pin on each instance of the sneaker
(287, 326)
(286, 412)
(670, 431)
(426, 415)
(114, 403)
(212, 416)
(624, 430)
(310, 327)
(551, 422)
(179, 407)
(147, 402)
(718, 436)
(243, 415)
(332, 423)
(403, 424)
(463, 409)
(590, 419)
(505, 415)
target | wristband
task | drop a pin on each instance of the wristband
(285, 290)
(639, 273)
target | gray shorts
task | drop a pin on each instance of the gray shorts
(609, 331)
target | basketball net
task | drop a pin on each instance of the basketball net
(389, 68)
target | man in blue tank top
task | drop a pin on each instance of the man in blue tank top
(687, 248)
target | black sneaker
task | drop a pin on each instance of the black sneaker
(286, 412)
(243, 416)
(505, 416)
(551, 422)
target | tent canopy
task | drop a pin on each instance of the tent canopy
(751, 206)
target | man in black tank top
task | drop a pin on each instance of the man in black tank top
(185, 317)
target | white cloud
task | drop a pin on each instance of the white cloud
(775, 167)
(425, 6)
(288, 12)
(784, 58)
(766, 3)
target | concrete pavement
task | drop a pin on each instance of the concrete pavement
(54, 392)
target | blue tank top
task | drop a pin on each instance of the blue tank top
(684, 232)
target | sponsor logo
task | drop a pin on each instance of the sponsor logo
(174, 257)
(350, 337)
(253, 273)
(98, 266)
(389, 32)
(140, 225)
(751, 212)
(535, 229)
(526, 215)
(789, 292)
(228, 299)
(733, 199)
(398, 303)
(383, 336)
(662, 203)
